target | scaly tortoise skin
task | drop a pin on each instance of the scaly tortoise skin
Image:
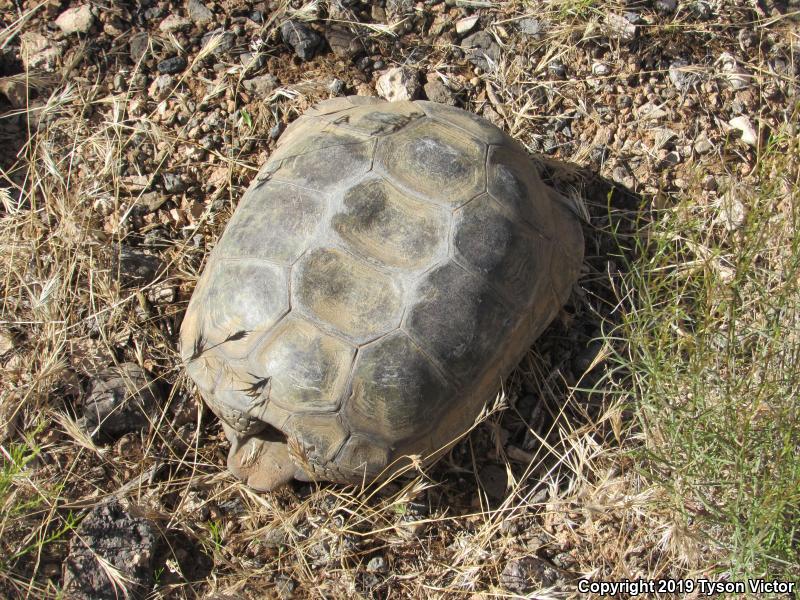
(387, 268)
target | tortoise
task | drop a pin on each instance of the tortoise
(388, 266)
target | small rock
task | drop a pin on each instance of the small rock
(600, 69)
(223, 41)
(377, 564)
(682, 75)
(620, 27)
(123, 399)
(251, 61)
(437, 91)
(120, 539)
(737, 77)
(522, 575)
(173, 184)
(666, 7)
(301, 38)
(530, 27)
(336, 87)
(342, 41)
(164, 82)
(701, 10)
(745, 126)
(263, 85)
(162, 295)
(732, 212)
(138, 46)
(398, 84)
(16, 90)
(136, 267)
(170, 66)
(199, 12)
(494, 480)
(174, 23)
(703, 145)
(37, 52)
(76, 20)
(466, 25)
(481, 50)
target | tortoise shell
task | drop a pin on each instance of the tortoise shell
(387, 268)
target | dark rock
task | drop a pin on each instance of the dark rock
(225, 44)
(123, 399)
(138, 45)
(436, 91)
(199, 12)
(337, 87)
(494, 480)
(301, 38)
(173, 184)
(666, 7)
(481, 50)
(136, 267)
(122, 540)
(173, 65)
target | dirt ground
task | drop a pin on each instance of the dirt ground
(129, 132)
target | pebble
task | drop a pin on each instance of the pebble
(466, 25)
(523, 575)
(437, 91)
(600, 69)
(481, 50)
(666, 7)
(301, 38)
(342, 41)
(745, 126)
(37, 52)
(224, 41)
(557, 69)
(199, 12)
(621, 27)
(682, 76)
(76, 20)
(398, 84)
(336, 87)
(138, 46)
(174, 23)
(530, 27)
(173, 184)
(737, 77)
(263, 85)
(170, 66)
(377, 564)
(703, 145)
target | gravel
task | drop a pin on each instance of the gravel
(481, 50)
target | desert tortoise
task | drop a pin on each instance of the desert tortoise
(387, 268)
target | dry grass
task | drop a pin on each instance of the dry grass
(651, 433)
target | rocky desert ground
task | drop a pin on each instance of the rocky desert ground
(651, 433)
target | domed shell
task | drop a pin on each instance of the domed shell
(387, 268)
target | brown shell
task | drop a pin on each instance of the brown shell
(387, 268)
